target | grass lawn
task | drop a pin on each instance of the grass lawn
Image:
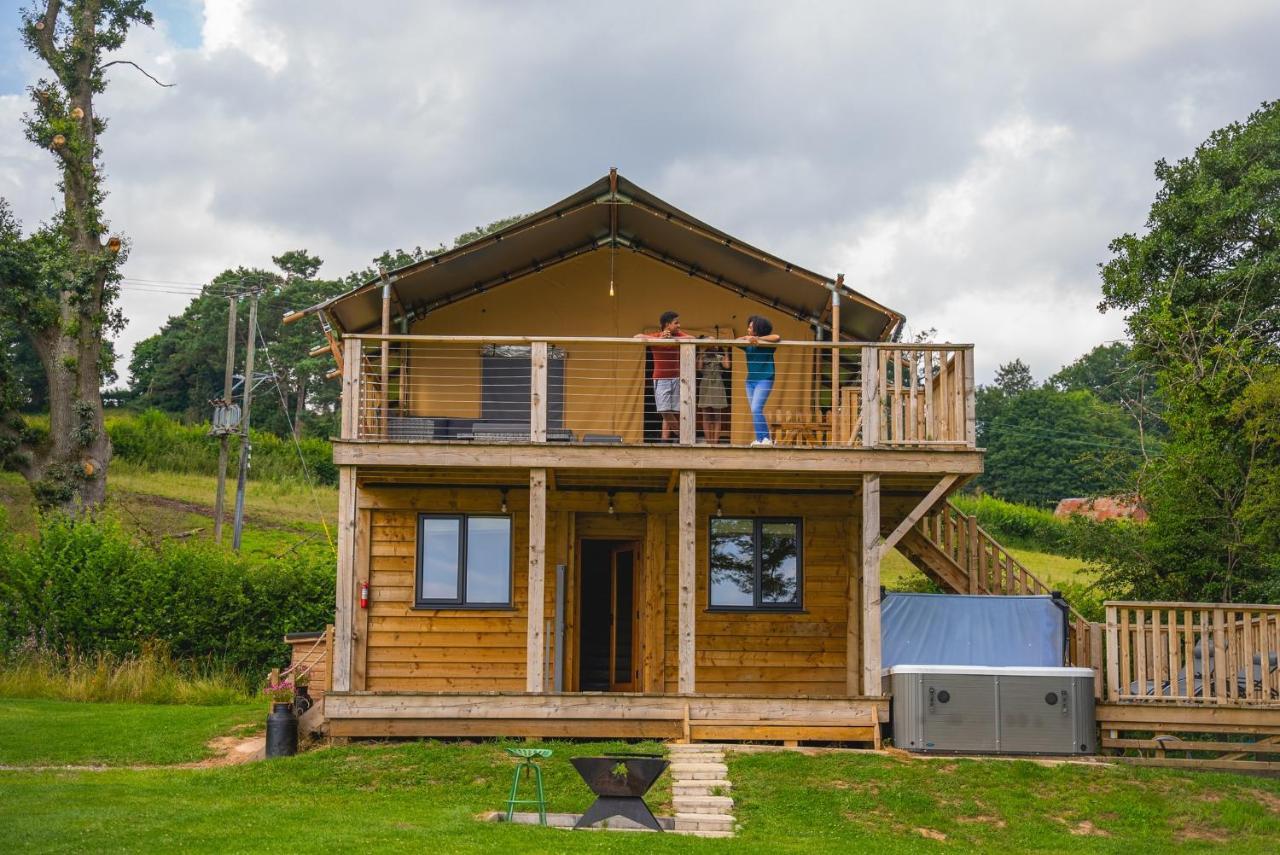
(40, 732)
(425, 795)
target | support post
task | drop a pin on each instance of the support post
(687, 608)
(871, 585)
(973, 553)
(245, 444)
(345, 594)
(361, 565)
(688, 399)
(384, 390)
(224, 441)
(538, 392)
(534, 649)
(350, 425)
(871, 413)
(835, 358)
(970, 411)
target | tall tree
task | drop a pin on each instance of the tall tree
(1201, 293)
(61, 281)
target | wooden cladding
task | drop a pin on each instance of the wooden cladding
(410, 649)
(1203, 653)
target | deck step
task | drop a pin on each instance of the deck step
(683, 768)
(704, 787)
(696, 833)
(702, 804)
(704, 822)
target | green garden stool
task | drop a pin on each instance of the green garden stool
(529, 765)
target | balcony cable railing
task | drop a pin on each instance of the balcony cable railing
(623, 391)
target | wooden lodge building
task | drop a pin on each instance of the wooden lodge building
(522, 552)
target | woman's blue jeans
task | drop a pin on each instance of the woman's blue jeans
(757, 393)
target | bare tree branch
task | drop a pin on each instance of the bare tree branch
(107, 65)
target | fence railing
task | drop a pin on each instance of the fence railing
(626, 391)
(1211, 653)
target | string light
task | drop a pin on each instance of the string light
(611, 501)
(719, 509)
(503, 507)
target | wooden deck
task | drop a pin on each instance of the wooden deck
(590, 715)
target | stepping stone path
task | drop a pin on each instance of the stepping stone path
(700, 791)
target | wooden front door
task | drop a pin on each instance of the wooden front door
(609, 617)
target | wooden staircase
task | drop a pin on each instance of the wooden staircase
(960, 557)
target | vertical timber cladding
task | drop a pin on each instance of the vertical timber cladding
(447, 649)
(773, 653)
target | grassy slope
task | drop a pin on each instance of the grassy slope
(1050, 569)
(287, 516)
(42, 732)
(279, 517)
(414, 796)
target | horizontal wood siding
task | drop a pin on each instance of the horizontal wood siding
(469, 650)
(437, 650)
(773, 654)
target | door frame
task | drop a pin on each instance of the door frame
(573, 644)
(632, 546)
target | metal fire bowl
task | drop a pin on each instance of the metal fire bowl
(642, 771)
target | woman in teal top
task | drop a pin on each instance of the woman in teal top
(760, 371)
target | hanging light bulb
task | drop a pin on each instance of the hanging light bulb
(504, 500)
(719, 509)
(613, 251)
(610, 501)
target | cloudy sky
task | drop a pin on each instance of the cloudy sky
(966, 163)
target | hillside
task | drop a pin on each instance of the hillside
(286, 516)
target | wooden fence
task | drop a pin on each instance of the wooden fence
(1198, 653)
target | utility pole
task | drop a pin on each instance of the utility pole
(225, 440)
(244, 424)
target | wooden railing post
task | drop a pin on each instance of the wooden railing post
(870, 397)
(688, 386)
(538, 392)
(1113, 655)
(972, 558)
(350, 426)
(970, 401)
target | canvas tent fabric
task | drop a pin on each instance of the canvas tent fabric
(601, 381)
(963, 629)
(586, 224)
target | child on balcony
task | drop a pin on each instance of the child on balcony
(760, 371)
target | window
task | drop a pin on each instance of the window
(464, 561)
(755, 564)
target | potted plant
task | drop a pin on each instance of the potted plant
(282, 725)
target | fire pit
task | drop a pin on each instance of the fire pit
(620, 782)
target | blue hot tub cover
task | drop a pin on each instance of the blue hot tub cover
(963, 629)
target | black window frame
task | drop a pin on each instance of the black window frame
(460, 602)
(757, 604)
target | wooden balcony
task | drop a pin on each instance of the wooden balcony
(600, 393)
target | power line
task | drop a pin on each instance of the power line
(306, 471)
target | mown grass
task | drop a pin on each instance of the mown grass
(413, 796)
(863, 802)
(43, 732)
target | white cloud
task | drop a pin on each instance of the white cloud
(964, 164)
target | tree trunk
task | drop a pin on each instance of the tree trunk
(301, 409)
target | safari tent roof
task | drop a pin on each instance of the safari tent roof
(611, 212)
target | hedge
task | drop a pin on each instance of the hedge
(1018, 525)
(88, 587)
